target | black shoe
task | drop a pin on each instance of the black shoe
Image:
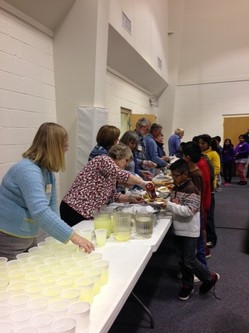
(242, 183)
(208, 285)
(185, 292)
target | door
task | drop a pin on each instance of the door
(234, 126)
(134, 118)
(125, 120)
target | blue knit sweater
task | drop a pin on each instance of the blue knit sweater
(28, 201)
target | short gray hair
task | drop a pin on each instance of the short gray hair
(143, 122)
(120, 151)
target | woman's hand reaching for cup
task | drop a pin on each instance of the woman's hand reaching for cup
(82, 243)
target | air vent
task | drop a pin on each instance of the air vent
(159, 63)
(126, 23)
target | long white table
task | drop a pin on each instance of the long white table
(127, 262)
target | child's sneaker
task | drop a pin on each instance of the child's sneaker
(185, 292)
(208, 285)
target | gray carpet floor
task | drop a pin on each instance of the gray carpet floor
(226, 310)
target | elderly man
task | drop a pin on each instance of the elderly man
(143, 126)
(174, 141)
(151, 147)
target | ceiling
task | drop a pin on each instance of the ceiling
(122, 57)
(47, 12)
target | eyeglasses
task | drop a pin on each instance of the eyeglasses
(176, 176)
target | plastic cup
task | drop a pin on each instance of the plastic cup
(58, 308)
(7, 327)
(35, 258)
(52, 293)
(15, 274)
(93, 256)
(100, 235)
(34, 250)
(5, 311)
(33, 290)
(19, 301)
(67, 262)
(27, 267)
(95, 273)
(84, 264)
(86, 286)
(16, 287)
(42, 321)
(51, 261)
(20, 318)
(12, 264)
(38, 304)
(64, 325)
(23, 256)
(75, 273)
(64, 282)
(47, 280)
(50, 240)
(71, 295)
(104, 266)
(42, 269)
(58, 271)
(3, 283)
(3, 261)
(32, 277)
(27, 329)
(80, 311)
(4, 297)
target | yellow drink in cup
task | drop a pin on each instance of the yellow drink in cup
(100, 235)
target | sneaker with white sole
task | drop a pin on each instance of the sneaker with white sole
(185, 292)
(179, 276)
(208, 285)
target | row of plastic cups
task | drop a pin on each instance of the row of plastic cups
(49, 286)
(57, 317)
(47, 274)
(58, 308)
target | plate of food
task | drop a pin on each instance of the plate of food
(157, 201)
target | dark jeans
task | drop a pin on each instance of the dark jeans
(201, 253)
(69, 215)
(228, 171)
(210, 227)
(190, 265)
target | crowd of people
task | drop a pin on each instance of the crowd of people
(28, 199)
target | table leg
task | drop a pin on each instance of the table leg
(152, 323)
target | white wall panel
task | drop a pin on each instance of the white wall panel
(27, 92)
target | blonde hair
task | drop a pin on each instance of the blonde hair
(48, 147)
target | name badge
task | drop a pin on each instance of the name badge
(48, 188)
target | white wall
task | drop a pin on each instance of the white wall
(27, 91)
(122, 94)
(213, 64)
(149, 28)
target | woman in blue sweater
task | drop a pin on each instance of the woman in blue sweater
(28, 195)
